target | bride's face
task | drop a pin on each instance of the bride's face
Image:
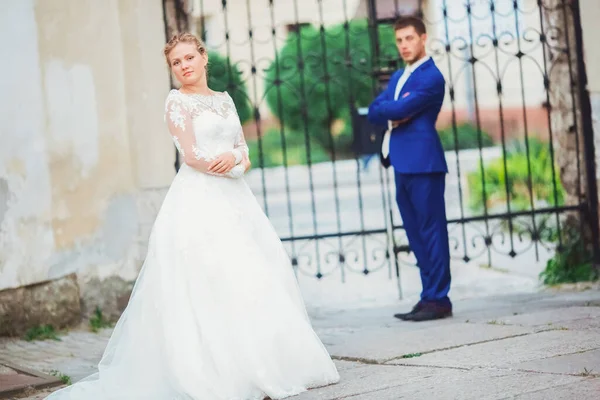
(187, 64)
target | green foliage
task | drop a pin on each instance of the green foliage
(517, 178)
(98, 322)
(43, 332)
(412, 355)
(467, 135)
(273, 150)
(222, 76)
(571, 264)
(65, 379)
(317, 77)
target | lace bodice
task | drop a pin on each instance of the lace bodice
(204, 127)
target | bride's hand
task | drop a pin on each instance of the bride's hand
(222, 164)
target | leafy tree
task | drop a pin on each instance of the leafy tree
(222, 75)
(320, 74)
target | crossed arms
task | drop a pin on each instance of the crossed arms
(384, 108)
(231, 164)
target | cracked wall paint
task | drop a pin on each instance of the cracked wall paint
(73, 120)
(26, 236)
(69, 176)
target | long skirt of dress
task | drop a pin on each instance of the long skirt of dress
(216, 312)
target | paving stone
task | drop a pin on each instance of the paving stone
(76, 354)
(36, 394)
(385, 344)
(9, 382)
(587, 389)
(510, 352)
(15, 380)
(551, 317)
(368, 378)
(435, 383)
(4, 370)
(584, 324)
(579, 363)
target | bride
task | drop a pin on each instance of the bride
(216, 312)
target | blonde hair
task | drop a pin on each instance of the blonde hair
(183, 38)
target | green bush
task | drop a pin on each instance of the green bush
(517, 177)
(571, 264)
(223, 76)
(273, 154)
(311, 86)
(467, 136)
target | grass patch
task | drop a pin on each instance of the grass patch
(585, 372)
(97, 321)
(43, 332)
(412, 355)
(571, 264)
(66, 379)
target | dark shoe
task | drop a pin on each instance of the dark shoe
(431, 311)
(408, 315)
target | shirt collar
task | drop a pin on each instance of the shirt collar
(411, 68)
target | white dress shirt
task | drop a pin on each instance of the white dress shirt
(409, 69)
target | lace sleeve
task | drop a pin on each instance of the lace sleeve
(240, 152)
(240, 148)
(179, 121)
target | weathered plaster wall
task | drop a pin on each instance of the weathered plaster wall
(82, 137)
(26, 234)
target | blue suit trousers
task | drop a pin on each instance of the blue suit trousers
(420, 198)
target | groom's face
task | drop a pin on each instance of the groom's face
(411, 45)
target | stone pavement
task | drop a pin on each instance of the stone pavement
(534, 346)
(530, 346)
(15, 380)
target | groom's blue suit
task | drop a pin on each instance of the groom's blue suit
(416, 154)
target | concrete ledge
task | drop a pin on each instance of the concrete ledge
(53, 303)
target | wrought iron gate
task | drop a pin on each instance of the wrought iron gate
(302, 72)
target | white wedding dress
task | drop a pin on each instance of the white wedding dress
(216, 312)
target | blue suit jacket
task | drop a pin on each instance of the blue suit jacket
(415, 146)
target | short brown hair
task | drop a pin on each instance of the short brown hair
(405, 22)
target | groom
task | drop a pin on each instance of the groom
(409, 107)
